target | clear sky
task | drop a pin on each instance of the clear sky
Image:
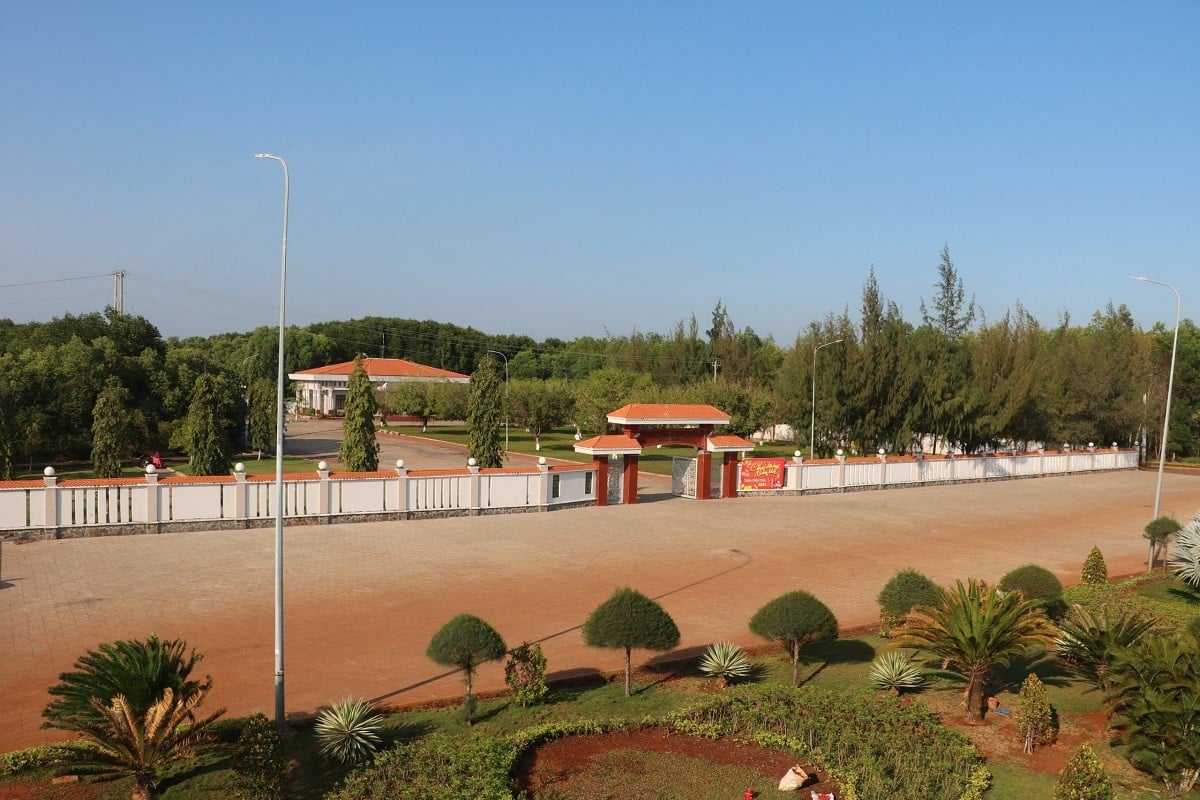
(566, 169)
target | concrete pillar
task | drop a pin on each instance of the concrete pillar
(882, 468)
(729, 475)
(473, 469)
(600, 485)
(840, 455)
(1041, 460)
(50, 498)
(401, 486)
(703, 474)
(796, 474)
(543, 496)
(920, 456)
(950, 470)
(240, 493)
(1091, 456)
(630, 480)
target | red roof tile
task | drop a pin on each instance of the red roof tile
(728, 441)
(668, 414)
(609, 443)
(384, 368)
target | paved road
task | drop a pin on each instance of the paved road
(364, 599)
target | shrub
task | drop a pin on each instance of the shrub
(906, 590)
(795, 620)
(627, 620)
(466, 642)
(1035, 716)
(1193, 627)
(525, 674)
(35, 758)
(349, 731)
(1090, 638)
(435, 767)
(1036, 583)
(1083, 778)
(1158, 531)
(260, 761)
(896, 671)
(1094, 571)
(725, 660)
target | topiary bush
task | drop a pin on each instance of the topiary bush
(907, 589)
(1035, 716)
(1159, 530)
(1036, 583)
(1083, 778)
(525, 674)
(795, 620)
(1094, 571)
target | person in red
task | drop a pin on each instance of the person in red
(156, 460)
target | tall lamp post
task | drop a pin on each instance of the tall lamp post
(812, 429)
(280, 722)
(1162, 447)
(497, 352)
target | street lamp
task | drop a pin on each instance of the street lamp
(812, 430)
(280, 722)
(497, 352)
(1162, 447)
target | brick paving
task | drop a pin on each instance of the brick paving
(363, 600)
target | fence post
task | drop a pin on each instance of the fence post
(473, 493)
(51, 498)
(919, 455)
(543, 498)
(1067, 450)
(1091, 456)
(240, 494)
(1041, 460)
(841, 457)
(950, 470)
(324, 491)
(401, 486)
(882, 468)
(797, 471)
(153, 510)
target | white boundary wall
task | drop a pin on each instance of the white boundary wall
(843, 473)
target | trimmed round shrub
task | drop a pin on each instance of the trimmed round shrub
(1083, 778)
(1036, 583)
(906, 590)
(1095, 571)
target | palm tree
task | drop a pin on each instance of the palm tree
(124, 743)
(973, 628)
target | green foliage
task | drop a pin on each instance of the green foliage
(260, 761)
(1036, 583)
(138, 671)
(539, 406)
(1083, 778)
(1089, 639)
(1094, 571)
(484, 412)
(349, 731)
(466, 642)
(525, 674)
(19, 762)
(435, 767)
(627, 620)
(795, 620)
(893, 751)
(1185, 554)
(360, 448)
(207, 430)
(904, 591)
(1159, 531)
(113, 429)
(1035, 717)
(896, 671)
(974, 628)
(1155, 700)
(264, 400)
(725, 660)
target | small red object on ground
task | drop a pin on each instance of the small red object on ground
(749, 795)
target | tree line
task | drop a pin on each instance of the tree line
(107, 387)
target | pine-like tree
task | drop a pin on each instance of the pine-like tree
(360, 448)
(263, 403)
(1083, 778)
(110, 429)
(208, 443)
(1035, 715)
(1094, 571)
(483, 415)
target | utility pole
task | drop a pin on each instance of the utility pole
(118, 302)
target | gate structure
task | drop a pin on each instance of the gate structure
(649, 424)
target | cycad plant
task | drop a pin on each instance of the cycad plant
(896, 671)
(1089, 640)
(349, 731)
(126, 743)
(973, 628)
(725, 660)
(1185, 553)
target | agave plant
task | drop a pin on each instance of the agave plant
(1185, 553)
(725, 660)
(895, 671)
(349, 731)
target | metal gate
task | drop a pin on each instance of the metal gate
(683, 477)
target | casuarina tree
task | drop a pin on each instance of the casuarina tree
(110, 429)
(466, 642)
(208, 425)
(627, 620)
(483, 414)
(795, 620)
(360, 448)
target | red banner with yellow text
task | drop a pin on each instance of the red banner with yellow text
(763, 473)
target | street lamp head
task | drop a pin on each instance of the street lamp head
(1138, 277)
(264, 155)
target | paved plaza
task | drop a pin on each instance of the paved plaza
(363, 600)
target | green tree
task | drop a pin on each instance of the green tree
(483, 416)
(208, 426)
(525, 674)
(139, 671)
(1159, 531)
(1036, 583)
(974, 628)
(904, 591)
(1035, 715)
(260, 760)
(262, 420)
(627, 620)
(111, 423)
(1155, 702)
(1095, 571)
(466, 642)
(418, 398)
(795, 620)
(1083, 778)
(360, 448)
(539, 406)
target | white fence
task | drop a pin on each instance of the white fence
(182, 501)
(849, 473)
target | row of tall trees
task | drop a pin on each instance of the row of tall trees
(108, 387)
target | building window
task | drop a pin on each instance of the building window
(587, 483)
(554, 487)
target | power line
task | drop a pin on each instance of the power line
(55, 280)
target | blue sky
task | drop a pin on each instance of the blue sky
(567, 169)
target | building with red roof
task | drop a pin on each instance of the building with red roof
(323, 389)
